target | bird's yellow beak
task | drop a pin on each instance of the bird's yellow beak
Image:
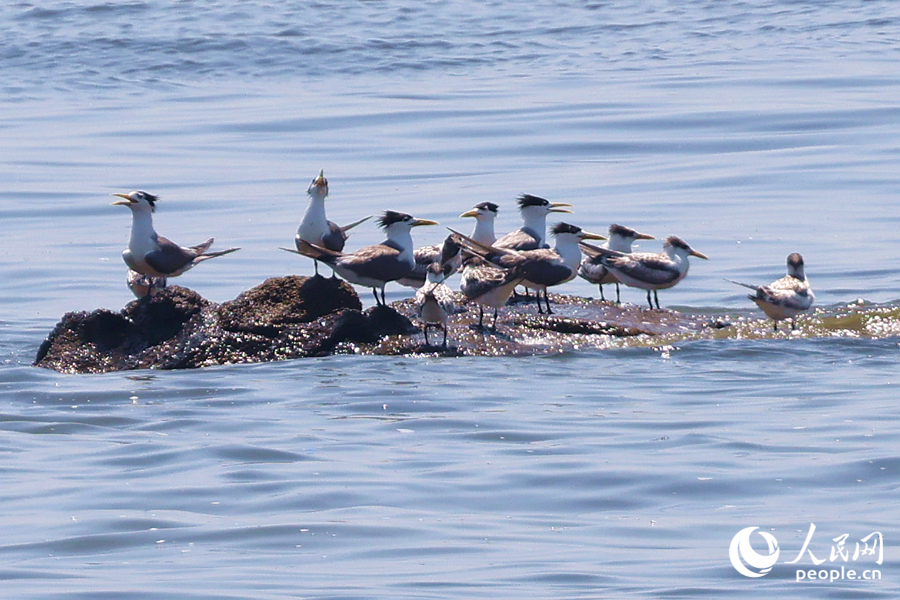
(699, 255)
(644, 236)
(128, 200)
(470, 213)
(420, 222)
(320, 180)
(557, 207)
(587, 235)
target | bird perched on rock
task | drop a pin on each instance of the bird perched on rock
(784, 298)
(143, 286)
(620, 239)
(373, 266)
(151, 254)
(648, 270)
(435, 300)
(542, 267)
(315, 227)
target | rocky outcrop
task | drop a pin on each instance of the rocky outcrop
(295, 317)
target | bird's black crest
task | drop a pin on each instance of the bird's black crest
(488, 206)
(529, 200)
(389, 217)
(150, 198)
(622, 231)
(565, 228)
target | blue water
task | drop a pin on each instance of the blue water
(751, 130)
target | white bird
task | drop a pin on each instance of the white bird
(447, 253)
(620, 239)
(784, 298)
(315, 227)
(144, 285)
(647, 270)
(435, 300)
(533, 233)
(542, 267)
(373, 266)
(151, 254)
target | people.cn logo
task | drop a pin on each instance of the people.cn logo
(748, 561)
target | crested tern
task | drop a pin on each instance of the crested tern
(648, 270)
(620, 239)
(784, 298)
(435, 300)
(373, 266)
(151, 254)
(532, 234)
(315, 227)
(541, 267)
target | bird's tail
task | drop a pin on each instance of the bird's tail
(347, 228)
(499, 256)
(313, 251)
(746, 285)
(217, 253)
(597, 252)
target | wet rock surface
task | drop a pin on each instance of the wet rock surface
(295, 317)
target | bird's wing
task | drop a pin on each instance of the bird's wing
(798, 298)
(598, 253)
(655, 269)
(479, 279)
(170, 257)
(520, 239)
(380, 262)
(504, 257)
(335, 238)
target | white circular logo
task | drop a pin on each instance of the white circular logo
(748, 561)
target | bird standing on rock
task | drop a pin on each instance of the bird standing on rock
(435, 300)
(648, 270)
(315, 227)
(373, 266)
(151, 254)
(784, 298)
(620, 240)
(542, 267)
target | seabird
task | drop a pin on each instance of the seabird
(315, 227)
(620, 240)
(144, 285)
(484, 214)
(373, 266)
(435, 300)
(151, 254)
(784, 298)
(648, 270)
(486, 284)
(542, 267)
(447, 253)
(532, 234)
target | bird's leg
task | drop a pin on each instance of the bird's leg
(382, 296)
(375, 293)
(494, 325)
(656, 297)
(547, 301)
(316, 265)
(602, 298)
(444, 345)
(540, 308)
(426, 334)
(649, 301)
(618, 300)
